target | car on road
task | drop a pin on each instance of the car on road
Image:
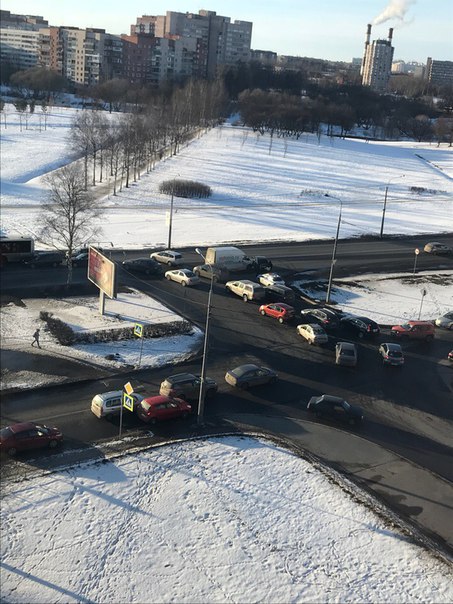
(219, 273)
(187, 386)
(259, 263)
(360, 326)
(335, 408)
(247, 290)
(144, 266)
(313, 333)
(325, 317)
(26, 436)
(248, 375)
(169, 257)
(414, 330)
(160, 408)
(80, 259)
(270, 279)
(392, 354)
(346, 354)
(445, 321)
(280, 293)
(50, 259)
(183, 276)
(109, 403)
(450, 356)
(282, 312)
(440, 249)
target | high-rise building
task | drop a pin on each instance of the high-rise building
(439, 73)
(377, 62)
(24, 40)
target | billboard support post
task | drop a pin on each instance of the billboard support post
(101, 302)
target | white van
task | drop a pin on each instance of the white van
(109, 403)
(232, 258)
(247, 290)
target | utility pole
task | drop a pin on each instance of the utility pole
(332, 264)
(202, 396)
(385, 203)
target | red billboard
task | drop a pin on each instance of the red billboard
(101, 272)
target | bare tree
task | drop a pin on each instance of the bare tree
(68, 218)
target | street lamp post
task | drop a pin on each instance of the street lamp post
(333, 262)
(171, 217)
(385, 203)
(202, 396)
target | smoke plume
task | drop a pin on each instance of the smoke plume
(396, 9)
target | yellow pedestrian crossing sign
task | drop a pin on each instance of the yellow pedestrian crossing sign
(128, 401)
(138, 330)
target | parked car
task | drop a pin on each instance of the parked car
(160, 408)
(53, 259)
(259, 263)
(360, 326)
(392, 354)
(219, 273)
(187, 386)
(280, 293)
(325, 317)
(169, 257)
(108, 404)
(282, 312)
(144, 266)
(270, 279)
(27, 436)
(336, 408)
(445, 321)
(441, 249)
(450, 356)
(247, 290)
(184, 276)
(414, 330)
(249, 375)
(313, 333)
(80, 259)
(346, 354)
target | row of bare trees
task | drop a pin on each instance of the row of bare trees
(122, 145)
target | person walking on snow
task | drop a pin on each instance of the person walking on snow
(36, 338)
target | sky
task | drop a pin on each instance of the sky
(328, 29)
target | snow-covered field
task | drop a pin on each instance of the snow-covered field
(205, 521)
(289, 192)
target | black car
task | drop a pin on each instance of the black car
(280, 293)
(334, 407)
(145, 266)
(325, 317)
(46, 259)
(360, 326)
(261, 264)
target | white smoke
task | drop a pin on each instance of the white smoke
(396, 9)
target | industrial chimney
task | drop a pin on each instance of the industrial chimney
(368, 35)
(390, 36)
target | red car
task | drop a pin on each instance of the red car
(27, 436)
(414, 330)
(160, 408)
(281, 312)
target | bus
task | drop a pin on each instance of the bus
(16, 249)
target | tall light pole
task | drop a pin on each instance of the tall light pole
(202, 396)
(385, 203)
(332, 264)
(170, 220)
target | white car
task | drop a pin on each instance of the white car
(169, 257)
(109, 403)
(314, 334)
(183, 276)
(270, 279)
(445, 321)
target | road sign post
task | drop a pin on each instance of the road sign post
(126, 401)
(138, 331)
(423, 292)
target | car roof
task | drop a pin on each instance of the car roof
(328, 398)
(180, 377)
(109, 394)
(244, 369)
(392, 346)
(156, 400)
(21, 427)
(346, 345)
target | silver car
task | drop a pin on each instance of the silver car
(313, 333)
(248, 375)
(445, 321)
(183, 276)
(270, 279)
(169, 257)
(346, 354)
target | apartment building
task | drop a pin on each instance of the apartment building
(377, 62)
(439, 73)
(24, 48)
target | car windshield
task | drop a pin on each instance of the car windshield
(43, 429)
(346, 406)
(146, 406)
(347, 352)
(405, 326)
(395, 353)
(189, 273)
(5, 433)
